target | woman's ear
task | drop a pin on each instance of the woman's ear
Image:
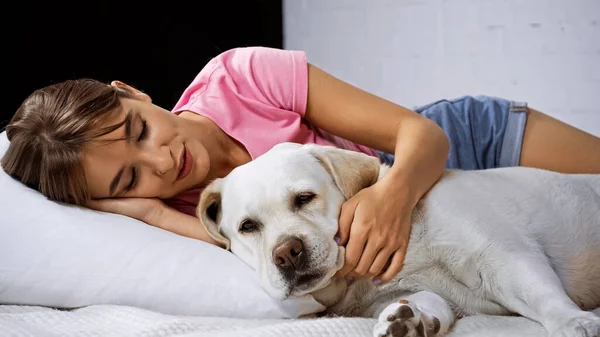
(135, 92)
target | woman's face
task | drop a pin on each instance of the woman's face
(160, 154)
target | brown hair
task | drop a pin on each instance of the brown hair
(48, 131)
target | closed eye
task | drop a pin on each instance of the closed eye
(144, 130)
(134, 175)
(133, 181)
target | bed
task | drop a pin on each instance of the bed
(115, 320)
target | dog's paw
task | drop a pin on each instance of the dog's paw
(404, 319)
(587, 325)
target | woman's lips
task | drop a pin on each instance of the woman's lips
(187, 163)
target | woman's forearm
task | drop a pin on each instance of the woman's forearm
(421, 151)
(180, 223)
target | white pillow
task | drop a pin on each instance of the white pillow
(64, 256)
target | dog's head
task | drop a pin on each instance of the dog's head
(279, 213)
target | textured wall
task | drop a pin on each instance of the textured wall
(546, 52)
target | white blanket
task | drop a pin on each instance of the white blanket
(123, 321)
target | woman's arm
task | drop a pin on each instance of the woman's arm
(419, 144)
(379, 230)
(154, 212)
(180, 223)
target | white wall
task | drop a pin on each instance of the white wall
(545, 52)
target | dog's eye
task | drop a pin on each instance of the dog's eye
(248, 226)
(303, 199)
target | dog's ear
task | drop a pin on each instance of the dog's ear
(209, 211)
(351, 171)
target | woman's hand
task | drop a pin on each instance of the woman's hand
(148, 210)
(376, 224)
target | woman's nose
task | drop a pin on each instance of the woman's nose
(160, 160)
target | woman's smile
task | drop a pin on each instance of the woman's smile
(186, 163)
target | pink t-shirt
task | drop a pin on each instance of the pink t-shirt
(256, 95)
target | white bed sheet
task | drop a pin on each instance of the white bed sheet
(124, 321)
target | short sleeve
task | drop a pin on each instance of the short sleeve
(252, 91)
(272, 76)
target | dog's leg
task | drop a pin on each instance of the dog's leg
(421, 314)
(531, 288)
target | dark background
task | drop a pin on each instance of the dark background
(156, 47)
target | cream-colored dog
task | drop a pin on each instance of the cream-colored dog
(499, 241)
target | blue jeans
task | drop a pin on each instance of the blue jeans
(484, 132)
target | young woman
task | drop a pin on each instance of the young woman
(109, 148)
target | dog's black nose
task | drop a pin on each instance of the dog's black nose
(289, 254)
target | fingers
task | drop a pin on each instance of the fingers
(94, 204)
(374, 248)
(366, 259)
(345, 221)
(104, 205)
(354, 249)
(379, 264)
(143, 209)
(394, 268)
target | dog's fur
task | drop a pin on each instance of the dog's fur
(501, 241)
